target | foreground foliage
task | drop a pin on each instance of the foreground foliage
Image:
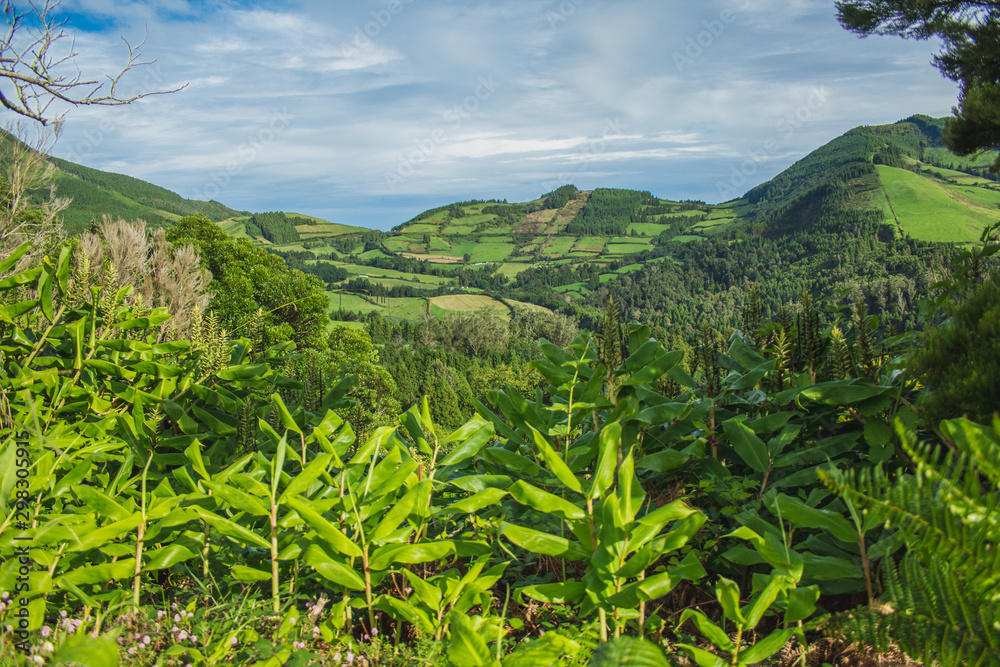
(629, 497)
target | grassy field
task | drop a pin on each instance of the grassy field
(559, 246)
(491, 251)
(650, 228)
(932, 211)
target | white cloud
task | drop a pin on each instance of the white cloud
(368, 87)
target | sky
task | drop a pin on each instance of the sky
(369, 112)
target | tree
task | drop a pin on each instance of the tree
(33, 56)
(971, 56)
(247, 278)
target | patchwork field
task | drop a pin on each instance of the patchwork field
(926, 208)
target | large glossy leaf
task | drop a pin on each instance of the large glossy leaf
(485, 498)
(567, 592)
(628, 652)
(471, 446)
(543, 501)
(168, 556)
(748, 446)
(555, 463)
(655, 369)
(727, 592)
(232, 529)
(543, 543)
(765, 648)
(410, 554)
(98, 574)
(803, 515)
(301, 482)
(399, 511)
(325, 530)
(609, 442)
(238, 500)
(331, 569)
(467, 648)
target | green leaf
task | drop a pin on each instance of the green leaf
(842, 392)
(543, 501)
(604, 475)
(286, 416)
(410, 554)
(474, 503)
(101, 504)
(244, 573)
(98, 574)
(399, 511)
(325, 530)
(701, 656)
(801, 603)
(328, 568)
(231, 529)
(628, 652)
(567, 592)
(277, 464)
(655, 369)
(728, 595)
(765, 648)
(805, 516)
(548, 650)
(708, 629)
(555, 463)
(763, 600)
(167, 556)
(301, 482)
(467, 648)
(471, 446)
(543, 543)
(239, 500)
(748, 446)
(663, 461)
(82, 649)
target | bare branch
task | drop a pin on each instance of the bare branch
(35, 50)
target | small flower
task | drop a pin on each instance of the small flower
(47, 647)
(365, 638)
(9, 628)
(63, 614)
(161, 613)
(38, 660)
(121, 641)
(94, 634)
(349, 658)
(194, 639)
(146, 640)
(3, 607)
(291, 621)
(374, 632)
(174, 606)
(131, 650)
(177, 618)
(315, 629)
(45, 631)
(4, 595)
(336, 657)
(174, 629)
(182, 635)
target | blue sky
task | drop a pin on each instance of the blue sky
(368, 112)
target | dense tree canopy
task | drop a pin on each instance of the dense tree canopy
(971, 56)
(247, 278)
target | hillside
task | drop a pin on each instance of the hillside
(868, 214)
(95, 193)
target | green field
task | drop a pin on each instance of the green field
(649, 228)
(932, 211)
(559, 246)
(491, 251)
(626, 248)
